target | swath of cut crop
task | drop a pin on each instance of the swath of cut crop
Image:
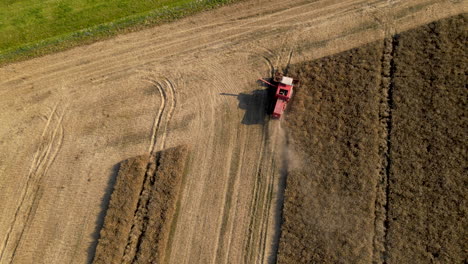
(137, 224)
(122, 206)
(164, 188)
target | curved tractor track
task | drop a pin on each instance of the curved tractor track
(189, 82)
(162, 119)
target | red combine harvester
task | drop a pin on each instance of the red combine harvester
(284, 90)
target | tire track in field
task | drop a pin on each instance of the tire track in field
(229, 191)
(204, 136)
(211, 167)
(269, 64)
(49, 145)
(226, 236)
(165, 49)
(170, 114)
(158, 117)
(223, 82)
(236, 151)
(171, 87)
(229, 200)
(124, 52)
(220, 145)
(267, 195)
(214, 103)
(177, 39)
(149, 50)
(257, 240)
(279, 139)
(163, 117)
(161, 122)
(250, 248)
(278, 148)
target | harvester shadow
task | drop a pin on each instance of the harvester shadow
(257, 105)
(253, 104)
(102, 214)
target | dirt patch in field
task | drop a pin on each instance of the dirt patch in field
(138, 221)
(383, 127)
(428, 187)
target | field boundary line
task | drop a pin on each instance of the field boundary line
(382, 188)
(391, 86)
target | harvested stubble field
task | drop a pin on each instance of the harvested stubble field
(68, 119)
(138, 221)
(383, 130)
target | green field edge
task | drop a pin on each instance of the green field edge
(106, 30)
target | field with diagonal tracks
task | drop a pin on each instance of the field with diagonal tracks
(69, 119)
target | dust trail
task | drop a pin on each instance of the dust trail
(288, 160)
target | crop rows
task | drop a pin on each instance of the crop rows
(139, 218)
(383, 129)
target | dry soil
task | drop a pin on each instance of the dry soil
(68, 120)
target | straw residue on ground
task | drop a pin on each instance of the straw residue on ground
(157, 207)
(122, 206)
(138, 221)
